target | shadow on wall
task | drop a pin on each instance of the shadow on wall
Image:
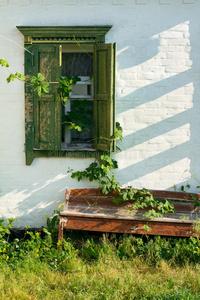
(32, 205)
(45, 192)
(156, 143)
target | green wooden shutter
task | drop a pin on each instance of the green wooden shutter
(29, 126)
(47, 110)
(104, 96)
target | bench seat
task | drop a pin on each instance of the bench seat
(89, 209)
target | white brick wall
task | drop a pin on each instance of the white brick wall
(157, 87)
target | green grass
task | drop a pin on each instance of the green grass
(105, 267)
(102, 279)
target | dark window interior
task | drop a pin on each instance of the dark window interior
(77, 64)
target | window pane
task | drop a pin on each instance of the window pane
(85, 110)
(77, 64)
(79, 113)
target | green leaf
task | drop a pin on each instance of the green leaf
(118, 132)
(33, 79)
(4, 63)
(40, 87)
(20, 76)
(45, 87)
(38, 90)
(65, 86)
(124, 196)
(117, 200)
(74, 126)
(147, 228)
(45, 84)
(182, 188)
(11, 77)
(40, 77)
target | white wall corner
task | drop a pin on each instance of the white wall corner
(70, 2)
(24, 2)
(3, 2)
(165, 2)
(189, 1)
(118, 2)
(47, 2)
(94, 2)
(141, 1)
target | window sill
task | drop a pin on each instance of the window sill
(70, 153)
(77, 146)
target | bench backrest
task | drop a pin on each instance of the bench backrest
(92, 200)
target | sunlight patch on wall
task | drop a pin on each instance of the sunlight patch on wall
(170, 107)
(167, 54)
(154, 147)
(168, 177)
(13, 200)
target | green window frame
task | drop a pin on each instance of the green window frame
(43, 115)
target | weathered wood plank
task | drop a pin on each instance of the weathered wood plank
(96, 194)
(183, 207)
(135, 215)
(90, 192)
(131, 226)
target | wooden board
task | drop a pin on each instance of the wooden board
(128, 226)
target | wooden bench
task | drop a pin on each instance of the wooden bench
(89, 209)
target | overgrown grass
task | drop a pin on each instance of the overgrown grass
(105, 278)
(109, 267)
(96, 266)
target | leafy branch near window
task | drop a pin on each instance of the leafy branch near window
(118, 132)
(80, 116)
(12, 76)
(77, 120)
(40, 86)
(65, 89)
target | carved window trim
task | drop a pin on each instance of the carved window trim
(64, 34)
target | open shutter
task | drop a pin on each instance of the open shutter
(29, 126)
(104, 96)
(47, 110)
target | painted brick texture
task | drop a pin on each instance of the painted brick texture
(157, 99)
